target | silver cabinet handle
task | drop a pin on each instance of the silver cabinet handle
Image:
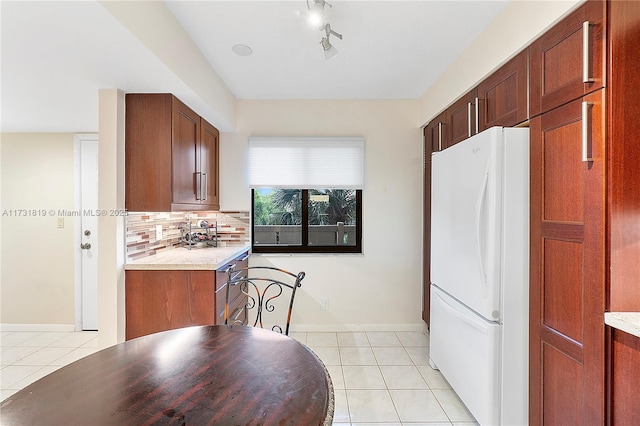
(469, 105)
(586, 52)
(439, 136)
(204, 187)
(586, 139)
(199, 190)
(477, 115)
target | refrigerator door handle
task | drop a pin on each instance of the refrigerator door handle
(478, 325)
(480, 205)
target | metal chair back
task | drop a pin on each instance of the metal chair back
(266, 288)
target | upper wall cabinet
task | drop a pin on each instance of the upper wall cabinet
(436, 133)
(500, 100)
(567, 62)
(171, 156)
(462, 117)
(502, 97)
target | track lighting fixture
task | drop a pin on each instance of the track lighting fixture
(316, 11)
(329, 50)
(316, 17)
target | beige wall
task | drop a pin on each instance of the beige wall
(384, 285)
(111, 229)
(37, 282)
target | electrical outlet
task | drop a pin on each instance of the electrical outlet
(324, 304)
(158, 232)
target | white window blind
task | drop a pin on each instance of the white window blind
(304, 163)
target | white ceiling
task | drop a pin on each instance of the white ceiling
(56, 55)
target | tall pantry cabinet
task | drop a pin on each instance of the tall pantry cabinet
(567, 221)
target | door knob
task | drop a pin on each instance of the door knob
(85, 246)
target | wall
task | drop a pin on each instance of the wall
(37, 257)
(111, 244)
(381, 288)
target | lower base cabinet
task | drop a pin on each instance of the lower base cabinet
(164, 300)
(625, 378)
(160, 300)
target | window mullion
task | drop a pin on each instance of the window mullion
(305, 218)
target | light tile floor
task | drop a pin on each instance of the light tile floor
(379, 378)
(26, 356)
(385, 378)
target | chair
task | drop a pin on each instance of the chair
(266, 289)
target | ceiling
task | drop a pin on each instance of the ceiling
(56, 55)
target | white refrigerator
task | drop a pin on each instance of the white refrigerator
(480, 272)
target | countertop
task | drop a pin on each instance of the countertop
(207, 259)
(628, 322)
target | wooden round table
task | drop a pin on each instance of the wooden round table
(225, 375)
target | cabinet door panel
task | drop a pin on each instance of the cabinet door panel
(625, 359)
(148, 152)
(567, 266)
(209, 165)
(184, 148)
(163, 300)
(557, 66)
(461, 118)
(503, 95)
(436, 133)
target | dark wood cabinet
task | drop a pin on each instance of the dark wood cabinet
(160, 300)
(171, 156)
(163, 300)
(436, 133)
(237, 300)
(503, 96)
(624, 155)
(568, 61)
(567, 264)
(185, 154)
(210, 164)
(426, 223)
(461, 118)
(500, 100)
(625, 378)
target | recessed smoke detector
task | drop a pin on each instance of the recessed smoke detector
(242, 50)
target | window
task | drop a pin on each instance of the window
(307, 220)
(306, 194)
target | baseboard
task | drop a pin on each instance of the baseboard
(37, 327)
(303, 328)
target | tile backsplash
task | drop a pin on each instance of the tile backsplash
(142, 241)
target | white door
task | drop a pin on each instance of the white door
(89, 232)
(465, 221)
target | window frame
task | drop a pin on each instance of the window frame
(305, 247)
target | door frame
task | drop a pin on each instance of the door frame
(78, 139)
